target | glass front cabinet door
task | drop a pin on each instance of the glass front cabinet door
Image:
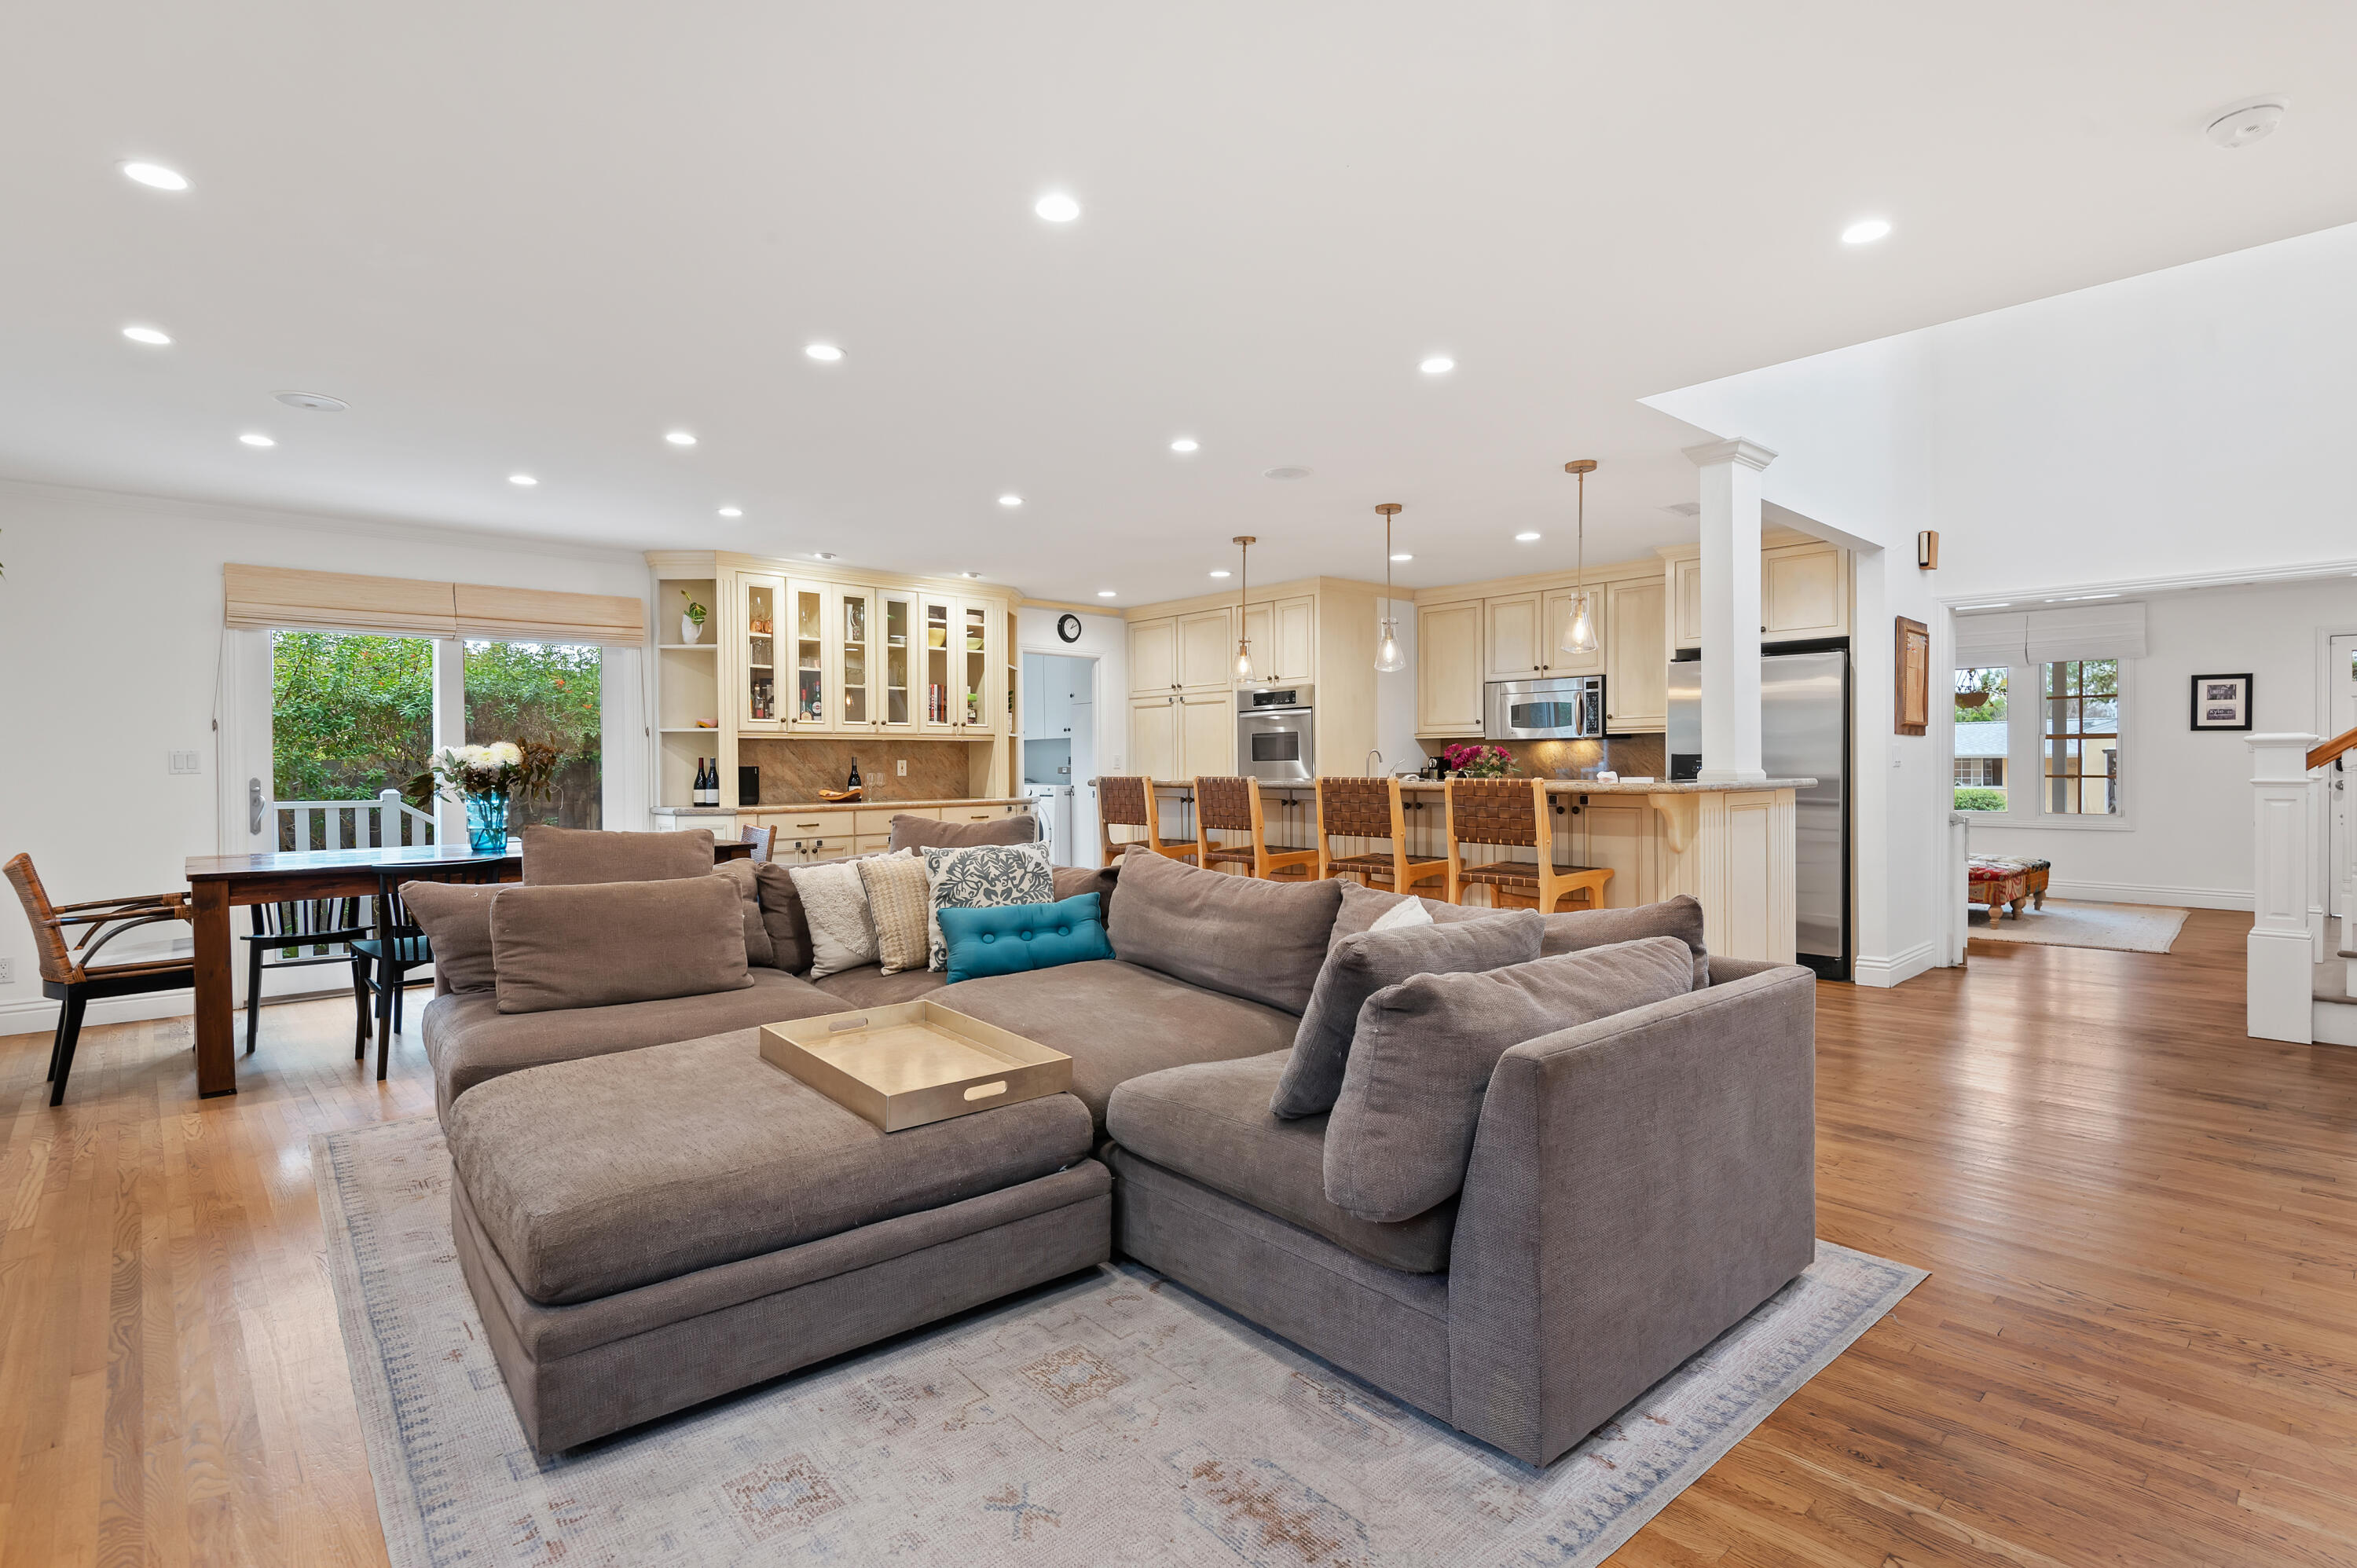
(940, 672)
(764, 597)
(897, 692)
(856, 662)
(803, 641)
(977, 649)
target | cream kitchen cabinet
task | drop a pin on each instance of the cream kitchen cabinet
(1207, 733)
(1555, 610)
(1637, 674)
(1510, 638)
(1803, 593)
(1207, 650)
(1154, 656)
(1154, 736)
(1449, 664)
(1284, 637)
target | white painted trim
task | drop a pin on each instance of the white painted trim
(2142, 892)
(2332, 1023)
(1897, 969)
(38, 1015)
(2034, 598)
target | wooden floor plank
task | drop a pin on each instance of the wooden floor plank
(2137, 1344)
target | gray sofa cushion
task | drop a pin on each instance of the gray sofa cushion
(1211, 1122)
(1264, 941)
(457, 919)
(1358, 966)
(783, 918)
(1403, 1131)
(558, 857)
(1583, 929)
(597, 1175)
(925, 832)
(1116, 1020)
(470, 1041)
(744, 876)
(1071, 881)
(1361, 907)
(870, 986)
(600, 944)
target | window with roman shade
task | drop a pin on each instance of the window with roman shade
(279, 598)
(2065, 668)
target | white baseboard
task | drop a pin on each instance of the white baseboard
(2332, 1023)
(38, 1015)
(2139, 893)
(1895, 969)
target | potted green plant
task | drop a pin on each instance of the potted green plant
(691, 621)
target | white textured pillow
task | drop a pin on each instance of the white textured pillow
(834, 902)
(1407, 912)
(984, 876)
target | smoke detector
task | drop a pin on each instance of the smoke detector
(2252, 119)
(319, 402)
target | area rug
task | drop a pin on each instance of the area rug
(2118, 928)
(1109, 1419)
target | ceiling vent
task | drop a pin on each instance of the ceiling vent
(319, 402)
(2252, 119)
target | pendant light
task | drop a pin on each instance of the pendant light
(1244, 543)
(1389, 660)
(1580, 616)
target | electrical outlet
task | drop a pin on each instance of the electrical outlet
(8, 972)
(183, 762)
(900, 767)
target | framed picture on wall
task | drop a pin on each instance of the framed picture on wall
(2222, 701)
(1913, 685)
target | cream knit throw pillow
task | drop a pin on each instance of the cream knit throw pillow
(900, 904)
(834, 901)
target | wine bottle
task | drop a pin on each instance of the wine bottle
(853, 782)
(695, 796)
(712, 782)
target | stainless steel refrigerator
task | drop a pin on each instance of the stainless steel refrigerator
(1803, 733)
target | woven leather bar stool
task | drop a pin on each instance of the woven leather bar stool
(1369, 809)
(1513, 811)
(1126, 801)
(1232, 805)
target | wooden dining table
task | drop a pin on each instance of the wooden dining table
(219, 883)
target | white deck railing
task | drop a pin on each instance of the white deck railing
(352, 825)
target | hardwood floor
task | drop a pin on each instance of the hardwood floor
(2138, 1344)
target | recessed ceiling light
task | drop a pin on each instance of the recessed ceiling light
(1057, 207)
(319, 402)
(1107, 593)
(153, 175)
(1284, 473)
(732, 511)
(1866, 231)
(255, 438)
(153, 337)
(822, 554)
(1402, 556)
(1010, 498)
(525, 480)
(827, 352)
(1526, 537)
(1438, 365)
(975, 576)
(1222, 572)
(679, 438)
(1184, 444)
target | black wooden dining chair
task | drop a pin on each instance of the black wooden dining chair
(382, 959)
(67, 975)
(298, 934)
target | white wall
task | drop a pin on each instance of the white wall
(110, 637)
(2187, 792)
(1104, 637)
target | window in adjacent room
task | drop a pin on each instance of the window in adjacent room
(2080, 737)
(1981, 740)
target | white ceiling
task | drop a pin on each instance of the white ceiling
(536, 236)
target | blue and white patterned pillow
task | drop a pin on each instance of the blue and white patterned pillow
(984, 876)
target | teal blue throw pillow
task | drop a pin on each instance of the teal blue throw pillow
(1007, 939)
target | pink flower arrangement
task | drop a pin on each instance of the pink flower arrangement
(1477, 760)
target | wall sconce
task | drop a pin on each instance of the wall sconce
(1927, 549)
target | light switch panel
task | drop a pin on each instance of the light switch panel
(185, 762)
(900, 767)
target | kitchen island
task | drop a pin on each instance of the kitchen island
(1732, 846)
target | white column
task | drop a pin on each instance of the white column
(2279, 977)
(449, 728)
(1730, 609)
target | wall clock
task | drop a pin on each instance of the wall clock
(1068, 627)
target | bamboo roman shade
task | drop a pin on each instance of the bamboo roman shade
(267, 596)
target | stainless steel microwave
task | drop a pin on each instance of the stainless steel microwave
(1561, 707)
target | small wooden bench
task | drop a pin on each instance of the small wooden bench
(1999, 889)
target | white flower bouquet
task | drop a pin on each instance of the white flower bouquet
(498, 771)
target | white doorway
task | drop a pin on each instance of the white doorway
(1060, 751)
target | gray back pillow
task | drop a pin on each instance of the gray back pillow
(1681, 917)
(1264, 941)
(565, 857)
(1358, 966)
(1363, 906)
(602, 943)
(744, 876)
(783, 918)
(1401, 1131)
(924, 832)
(457, 919)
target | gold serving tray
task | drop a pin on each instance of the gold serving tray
(914, 1062)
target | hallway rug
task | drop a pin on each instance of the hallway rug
(2118, 928)
(1192, 1437)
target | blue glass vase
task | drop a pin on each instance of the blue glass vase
(486, 823)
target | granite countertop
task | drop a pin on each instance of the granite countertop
(843, 806)
(1554, 786)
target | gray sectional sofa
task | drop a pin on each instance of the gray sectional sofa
(650, 1216)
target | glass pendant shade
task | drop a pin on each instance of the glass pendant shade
(1243, 662)
(1578, 626)
(1389, 658)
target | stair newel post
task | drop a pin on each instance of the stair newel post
(2280, 955)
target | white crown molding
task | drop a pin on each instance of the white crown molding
(2035, 598)
(1750, 454)
(180, 507)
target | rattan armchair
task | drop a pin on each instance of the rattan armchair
(68, 975)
